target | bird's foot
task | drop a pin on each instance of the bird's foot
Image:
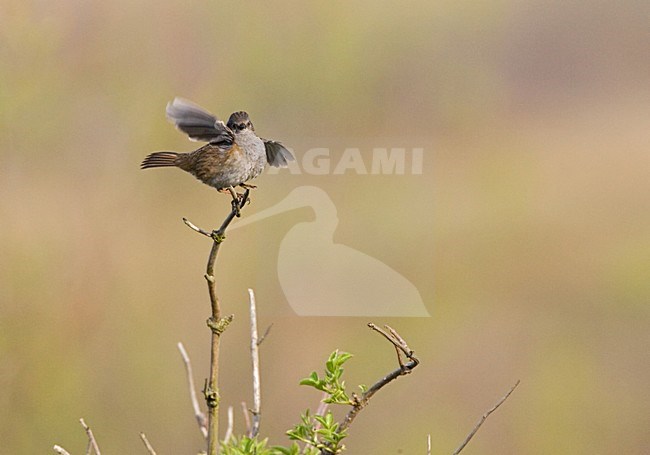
(235, 207)
(240, 202)
(236, 201)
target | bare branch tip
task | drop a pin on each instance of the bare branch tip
(147, 444)
(60, 450)
(92, 443)
(484, 417)
(190, 225)
(181, 349)
(195, 228)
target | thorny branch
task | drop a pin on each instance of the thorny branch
(360, 402)
(404, 368)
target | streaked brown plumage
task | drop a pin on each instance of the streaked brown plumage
(234, 153)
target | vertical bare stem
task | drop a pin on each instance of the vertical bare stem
(255, 359)
(211, 391)
(217, 324)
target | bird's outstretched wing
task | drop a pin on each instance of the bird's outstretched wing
(276, 154)
(198, 124)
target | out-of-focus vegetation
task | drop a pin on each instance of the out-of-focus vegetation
(527, 234)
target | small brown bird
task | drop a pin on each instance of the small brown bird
(233, 155)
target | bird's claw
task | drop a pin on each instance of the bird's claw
(235, 206)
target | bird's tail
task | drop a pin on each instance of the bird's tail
(160, 159)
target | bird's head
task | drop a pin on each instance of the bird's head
(239, 122)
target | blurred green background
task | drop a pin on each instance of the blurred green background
(527, 234)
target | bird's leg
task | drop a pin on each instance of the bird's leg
(235, 200)
(247, 187)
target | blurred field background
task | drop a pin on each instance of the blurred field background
(528, 233)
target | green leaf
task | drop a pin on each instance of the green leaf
(309, 381)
